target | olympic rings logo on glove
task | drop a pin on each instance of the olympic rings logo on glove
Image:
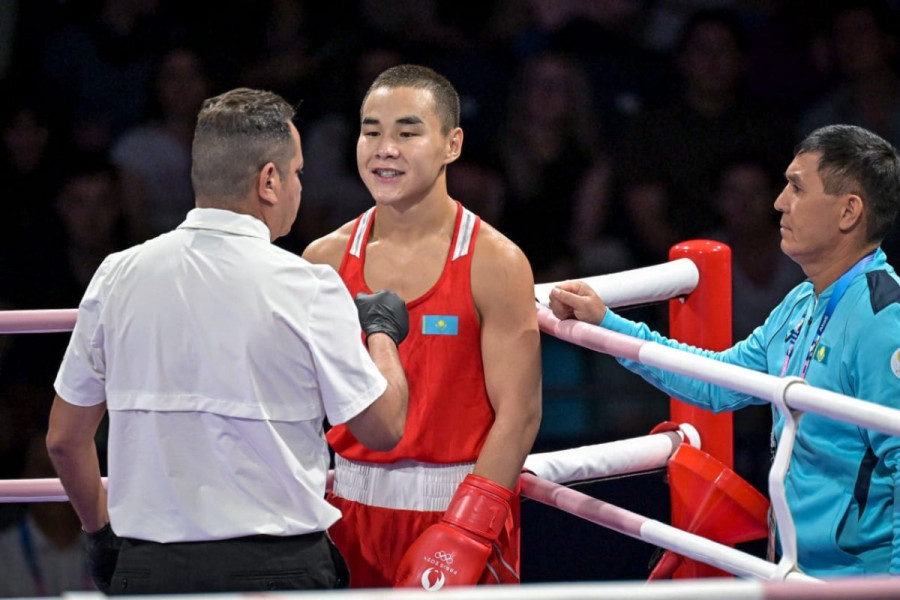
(444, 556)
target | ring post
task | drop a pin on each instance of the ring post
(703, 319)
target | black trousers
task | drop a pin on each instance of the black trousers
(247, 564)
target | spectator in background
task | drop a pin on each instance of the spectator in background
(555, 175)
(626, 77)
(43, 553)
(101, 65)
(479, 184)
(670, 155)
(761, 273)
(761, 276)
(285, 56)
(29, 179)
(155, 158)
(334, 193)
(864, 42)
(87, 224)
(89, 208)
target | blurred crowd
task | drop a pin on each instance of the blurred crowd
(598, 133)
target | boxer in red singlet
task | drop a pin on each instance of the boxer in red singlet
(441, 508)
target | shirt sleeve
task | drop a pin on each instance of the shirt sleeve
(749, 354)
(875, 373)
(348, 379)
(81, 378)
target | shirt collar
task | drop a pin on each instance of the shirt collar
(217, 219)
(879, 259)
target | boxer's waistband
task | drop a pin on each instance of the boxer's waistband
(403, 485)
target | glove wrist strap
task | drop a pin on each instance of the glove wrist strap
(480, 506)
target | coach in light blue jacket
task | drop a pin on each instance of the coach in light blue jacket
(839, 330)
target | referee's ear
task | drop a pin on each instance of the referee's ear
(267, 184)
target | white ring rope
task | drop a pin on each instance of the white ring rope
(622, 457)
(638, 286)
(807, 398)
(858, 588)
(646, 285)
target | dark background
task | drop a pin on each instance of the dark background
(597, 133)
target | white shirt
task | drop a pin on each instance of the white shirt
(219, 355)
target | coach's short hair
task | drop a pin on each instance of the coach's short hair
(856, 161)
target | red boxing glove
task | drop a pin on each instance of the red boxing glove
(456, 550)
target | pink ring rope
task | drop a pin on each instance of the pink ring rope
(796, 586)
(38, 321)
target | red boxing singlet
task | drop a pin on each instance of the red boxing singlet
(449, 412)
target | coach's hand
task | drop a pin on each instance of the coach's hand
(102, 548)
(383, 312)
(576, 299)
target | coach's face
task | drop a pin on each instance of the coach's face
(810, 217)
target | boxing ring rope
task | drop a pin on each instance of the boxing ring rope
(597, 461)
(542, 483)
(874, 588)
(53, 320)
(790, 395)
(641, 286)
(646, 285)
(652, 531)
(761, 385)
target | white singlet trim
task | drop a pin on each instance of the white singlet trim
(403, 485)
(466, 227)
(463, 240)
(356, 248)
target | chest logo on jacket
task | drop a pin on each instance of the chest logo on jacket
(895, 362)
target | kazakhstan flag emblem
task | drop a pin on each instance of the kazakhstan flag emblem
(440, 325)
(821, 353)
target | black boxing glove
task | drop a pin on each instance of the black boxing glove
(102, 549)
(383, 312)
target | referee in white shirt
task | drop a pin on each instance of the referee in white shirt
(218, 356)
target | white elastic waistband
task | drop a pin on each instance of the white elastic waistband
(403, 485)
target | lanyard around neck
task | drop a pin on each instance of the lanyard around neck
(839, 288)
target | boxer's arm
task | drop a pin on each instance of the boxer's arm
(503, 291)
(329, 249)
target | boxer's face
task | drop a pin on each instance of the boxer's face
(402, 151)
